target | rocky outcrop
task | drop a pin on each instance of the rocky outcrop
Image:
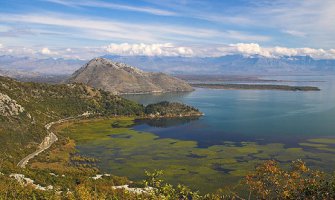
(24, 181)
(120, 78)
(9, 107)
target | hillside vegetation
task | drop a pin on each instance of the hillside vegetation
(167, 109)
(21, 130)
(26, 107)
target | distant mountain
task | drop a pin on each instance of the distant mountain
(15, 64)
(18, 74)
(229, 64)
(118, 77)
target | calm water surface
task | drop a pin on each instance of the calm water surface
(252, 115)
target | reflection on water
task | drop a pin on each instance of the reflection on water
(146, 99)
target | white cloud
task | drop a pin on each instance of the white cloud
(246, 49)
(108, 5)
(190, 9)
(241, 36)
(166, 49)
(311, 22)
(45, 51)
(311, 19)
(1, 45)
(315, 53)
(109, 29)
(184, 51)
(249, 49)
(15, 50)
(283, 51)
(294, 33)
(106, 29)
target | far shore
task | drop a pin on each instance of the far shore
(255, 87)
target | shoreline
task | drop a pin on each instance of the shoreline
(154, 92)
(51, 137)
(256, 87)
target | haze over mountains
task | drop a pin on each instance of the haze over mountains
(33, 66)
(229, 64)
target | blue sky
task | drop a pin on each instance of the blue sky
(70, 28)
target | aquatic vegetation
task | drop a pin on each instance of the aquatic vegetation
(323, 140)
(316, 145)
(126, 152)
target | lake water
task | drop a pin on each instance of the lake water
(252, 115)
(240, 129)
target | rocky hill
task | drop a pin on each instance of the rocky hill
(120, 78)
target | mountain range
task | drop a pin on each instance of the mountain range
(229, 64)
(30, 66)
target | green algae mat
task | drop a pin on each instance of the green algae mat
(126, 152)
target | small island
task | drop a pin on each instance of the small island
(167, 109)
(255, 87)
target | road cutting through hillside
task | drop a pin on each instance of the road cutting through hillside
(47, 141)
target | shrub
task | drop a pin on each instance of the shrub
(270, 181)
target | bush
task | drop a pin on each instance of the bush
(269, 181)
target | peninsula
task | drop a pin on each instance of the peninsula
(255, 87)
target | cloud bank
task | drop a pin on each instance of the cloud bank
(166, 49)
(249, 49)
(246, 49)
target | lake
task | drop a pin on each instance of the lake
(253, 115)
(240, 129)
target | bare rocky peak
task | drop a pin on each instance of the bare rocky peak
(117, 65)
(120, 78)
